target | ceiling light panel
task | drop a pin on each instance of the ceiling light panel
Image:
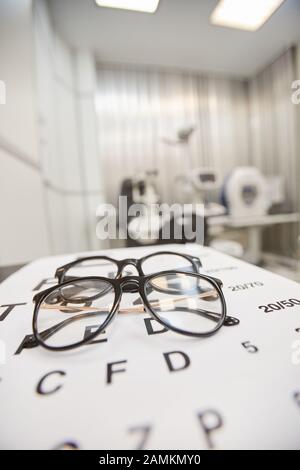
(147, 6)
(249, 15)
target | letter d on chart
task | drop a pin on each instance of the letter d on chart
(177, 360)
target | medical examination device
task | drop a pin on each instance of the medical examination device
(201, 186)
(245, 193)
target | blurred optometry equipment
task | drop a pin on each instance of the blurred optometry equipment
(201, 186)
(245, 193)
(142, 190)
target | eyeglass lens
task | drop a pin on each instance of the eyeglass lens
(75, 311)
(188, 303)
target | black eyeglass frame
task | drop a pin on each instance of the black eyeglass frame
(121, 264)
(138, 284)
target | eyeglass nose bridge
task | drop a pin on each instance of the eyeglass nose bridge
(129, 262)
(130, 284)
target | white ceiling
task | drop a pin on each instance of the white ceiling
(177, 35)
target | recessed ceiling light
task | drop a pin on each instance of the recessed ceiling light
(244, 14)
(148, 6)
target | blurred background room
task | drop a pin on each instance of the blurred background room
(188, 101)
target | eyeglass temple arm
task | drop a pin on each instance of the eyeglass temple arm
(135, 309)
(229, 321)
(32, 342)
(54, 329)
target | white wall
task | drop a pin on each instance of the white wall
(23, 234)
(68, 141)
(50, 179)
(92, 168)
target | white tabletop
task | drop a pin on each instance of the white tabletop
(241, 388)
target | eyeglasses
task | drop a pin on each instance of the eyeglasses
(112, 268)
(82, 305)
(76, 311)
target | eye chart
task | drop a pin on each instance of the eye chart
(140, 387)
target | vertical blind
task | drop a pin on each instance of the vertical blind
(274, 139)
(139, 109)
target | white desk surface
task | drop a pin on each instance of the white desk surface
(243, 383)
